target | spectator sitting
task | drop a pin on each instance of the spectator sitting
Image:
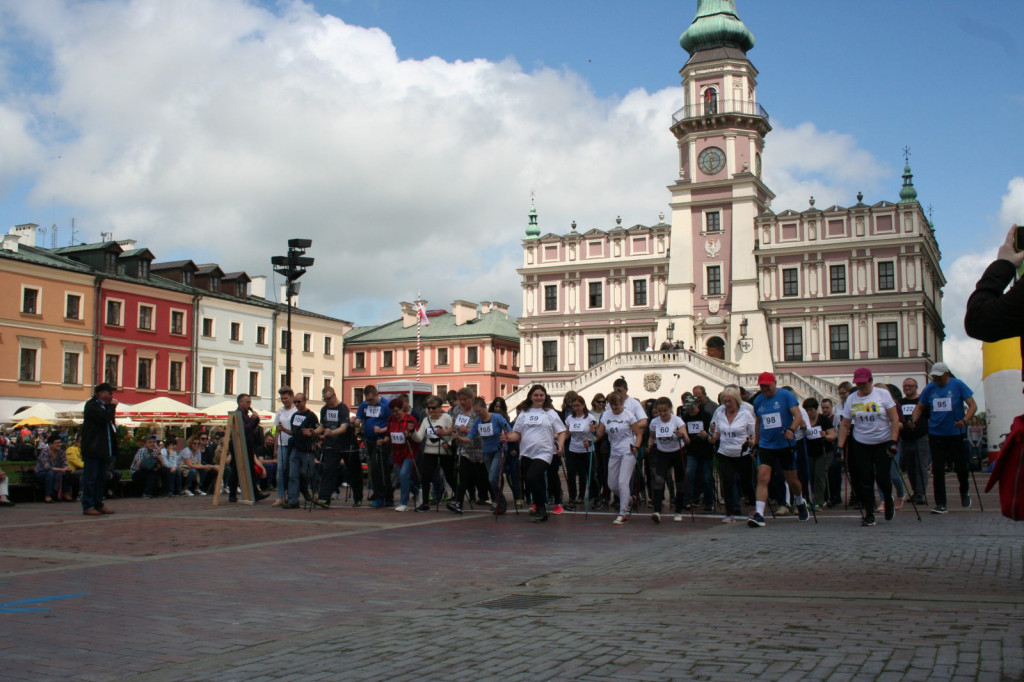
(266, 460)
(51, 467)
(146, 465)
(192, 459)
(172, 467)
(75, 466)
(5, 501)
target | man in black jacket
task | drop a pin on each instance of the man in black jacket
(99, 446)
(991, 314)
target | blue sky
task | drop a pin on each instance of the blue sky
(216, 129)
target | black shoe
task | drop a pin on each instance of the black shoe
(965, 500)
(232, 500)
(540, 518)
(423, 507)
(890, 509)
(262, 496)
(323, 504)
(357, 503)
(939, 509)
(454, 507)
(868, 520)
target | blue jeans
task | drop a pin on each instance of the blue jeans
(283, 472)
(492, 460)
(405, 480)
(298, 465)
(51, 481)
(94, 482)
(700, 480)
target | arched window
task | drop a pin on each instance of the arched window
(710, 101)
(716, 348)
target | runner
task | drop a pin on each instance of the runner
(401, 426)
(435, 432)
(623, 432)
(819, 433)
(733, 432)
(668, 434)
(470, 449)
(283, 429)
(335, 430)
(372, 415)
(541, 436)
(778, 418)
(582, 426)
(875, 420)
(700, 476)
(489, 427)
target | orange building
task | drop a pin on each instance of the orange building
(47, 345)
(469, 346)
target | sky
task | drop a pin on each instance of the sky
(406, 137)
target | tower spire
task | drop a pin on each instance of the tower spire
(533, 229)
(716, 25)
(907, 193)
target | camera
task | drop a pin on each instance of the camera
(1018, 237)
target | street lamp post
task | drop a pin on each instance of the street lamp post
(292, 266)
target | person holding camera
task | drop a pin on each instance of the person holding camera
(993, 315)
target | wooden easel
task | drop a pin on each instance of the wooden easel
(235, 432)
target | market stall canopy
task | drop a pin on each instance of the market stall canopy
(40, 410)
(33, 421)
(220, 411)
(162, 410)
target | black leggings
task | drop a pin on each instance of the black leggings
(428, 474)
(869, 464)
(331, 462)
(536, 477)
(663, 461)
(577, 466)
(733, 471)
(354, 473)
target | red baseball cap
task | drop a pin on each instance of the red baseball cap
(861, 375)
(766, 379)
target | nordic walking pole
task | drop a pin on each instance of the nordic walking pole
(912, 502)
(976, 491)
(807, 467)
(846, 470)
(686, 479)
(590, 474)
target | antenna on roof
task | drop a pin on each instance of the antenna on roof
(106, 236)
(74, 233)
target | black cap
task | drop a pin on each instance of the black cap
(103, 387)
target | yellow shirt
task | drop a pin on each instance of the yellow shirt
(74, 454)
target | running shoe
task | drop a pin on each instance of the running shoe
(187, 493)
(454, 507)
(557, 509)
(620, 521)
(802, 512)
(868, 520)
(940, 509)
(756, 521)
(965, 500)
(324, 504)
(401, 508)
(677, 517)
(729, 519)
(423, 507)
(533, 509)
(656, 517)
(200, 492)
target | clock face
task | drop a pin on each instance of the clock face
(757, 164)
(711, 160)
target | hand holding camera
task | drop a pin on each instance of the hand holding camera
(1013, 248)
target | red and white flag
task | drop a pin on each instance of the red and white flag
(421, 315)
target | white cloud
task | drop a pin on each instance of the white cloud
(1012, 209)
(19, 151)
(216, 130)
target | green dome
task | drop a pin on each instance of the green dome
(533, 229)
(908, 192)
(716, 25)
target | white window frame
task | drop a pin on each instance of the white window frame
(73, 347)
(356, 365)
(328, 346)
(120, 316)
(479, 355)
(36, 344)
(39, 300)
(604, 293)
(264, 328)
(170, 362)
(704, 221)
(447, 356)
(721, 279)
(213, 327)
(151, 356)
(241, 331)
(119, 353)
(152, 318)
(184, 321)
(213, 379)
(632, 291)
(81, 309)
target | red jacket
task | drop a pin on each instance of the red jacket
(1009, 471)
(398, 431)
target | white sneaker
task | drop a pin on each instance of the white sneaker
(188, 493)
(401, 508)
(200, 492)
(656, 517)
(729, 519)
(677, 517)
(620, 521)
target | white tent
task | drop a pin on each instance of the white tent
(220, 411)
(39, 410)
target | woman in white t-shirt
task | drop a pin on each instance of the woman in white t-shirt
(541, 435)
(875, 421)
(732, 433)
(668, 434)
(623, 432)
(579, 464)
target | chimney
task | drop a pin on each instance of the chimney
(26, 233)
(258, 286)
(464, 311)
(485, 307)
(127, 244)
(11, 242)
(408, 314)
(499, 307)
(284, 295)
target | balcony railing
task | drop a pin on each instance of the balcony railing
(727, 106)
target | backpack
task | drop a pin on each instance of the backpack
(1009, 472)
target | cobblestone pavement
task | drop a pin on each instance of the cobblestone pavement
(176, 589)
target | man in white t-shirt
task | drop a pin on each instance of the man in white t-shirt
(876, 427)
(283, 429)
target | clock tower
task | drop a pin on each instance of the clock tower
(712, 290)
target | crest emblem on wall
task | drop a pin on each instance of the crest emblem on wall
(652, 382)
(712, 247)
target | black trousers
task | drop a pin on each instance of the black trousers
(945, 448)
(869, 465)
(330, 461)
(536, 477)
(354, 474)
(737, 476)
(578, 465)
(554, 482)
(379, 461)
(431, 464)
(663, 462)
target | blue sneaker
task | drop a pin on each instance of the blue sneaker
(376, 504)
(802, 512)
(756, 521)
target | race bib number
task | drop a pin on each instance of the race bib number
(942, 405)
(462, 420)
(730, 435)
(333, 415)
(431, 432)
(771, 421)
(297, 421)
(532, 419)
(615, 429)
(665, 431)
(372, 411)
(694, 428)
(397, 437)
(486, 430)
(865, 417)
(907, 410)
(578, 426)
(814, 433)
